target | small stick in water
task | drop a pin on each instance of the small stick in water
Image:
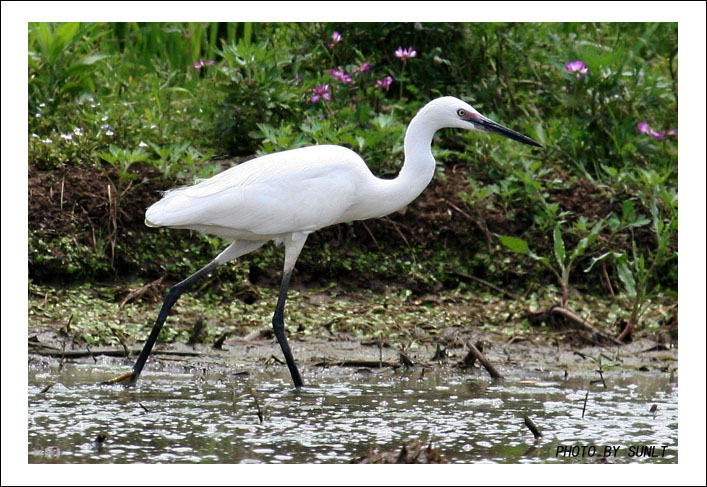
(257, 404)
(440, 353)
(584, 408)
(218, 344)
(233, 399)
(533, 429)
(63, 354)
(88, 349)
(195, 336)
(601, 375)
(484, 361)
(380, 353)
(405, 360)
(470, 358)
(67, 329)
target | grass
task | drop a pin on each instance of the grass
(396, 316)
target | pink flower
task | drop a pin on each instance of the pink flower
(340, 76)
(404, 54)
(202, 64)
(336, 38)
(364, 67)
(644, 128)
(321, 92)
(577, 67)
(384, 84)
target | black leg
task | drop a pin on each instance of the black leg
(278, 324)
(169, 301)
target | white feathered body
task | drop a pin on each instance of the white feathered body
(295, 191)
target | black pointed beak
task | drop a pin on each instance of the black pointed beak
(488, 125)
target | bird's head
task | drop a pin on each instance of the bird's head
(451, 112)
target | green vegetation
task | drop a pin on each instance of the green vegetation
(120, 111)
(94, 315)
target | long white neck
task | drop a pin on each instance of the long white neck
(419, 166)
(417, 172)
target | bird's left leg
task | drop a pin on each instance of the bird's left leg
(293, 247)
(233, 251)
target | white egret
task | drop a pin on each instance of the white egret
(287, 195)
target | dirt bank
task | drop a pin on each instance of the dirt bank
(84, 228)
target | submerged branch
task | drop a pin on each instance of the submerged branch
(484, 361)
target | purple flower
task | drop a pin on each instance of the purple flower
(340, 76)
(384, 84)
(321, 89)
(336, 38)
(321, 92)
(644, 128)
(364, 67)
(404, 54)
(201, 64)
(577, 67)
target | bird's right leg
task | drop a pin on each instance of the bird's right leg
(293, 247)
(233, 251)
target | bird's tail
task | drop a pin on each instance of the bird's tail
(173, 210)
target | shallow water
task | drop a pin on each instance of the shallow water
(187, 418)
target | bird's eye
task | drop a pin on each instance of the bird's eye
(461, 112)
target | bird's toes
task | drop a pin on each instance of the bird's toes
(126, 378)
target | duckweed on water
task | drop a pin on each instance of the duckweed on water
(92, 313)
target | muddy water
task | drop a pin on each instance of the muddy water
(187, 418)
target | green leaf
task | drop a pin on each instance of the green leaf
(640, 221)
(540, 133)
(581, 247)
(44, 38)
(517, 245)
(607, 255)
(539, 258)
(627, 209)
(559, 246)
(626, 277)
(179, 89)
(596, 229)
(612, 172)
(33, 61)
(108, 157)
(62, 38)
(613, 222)
(66, 32)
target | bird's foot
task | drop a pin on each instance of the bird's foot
(127, 378)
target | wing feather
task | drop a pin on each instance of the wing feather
(298, 190)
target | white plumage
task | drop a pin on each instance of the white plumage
(267, 198)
